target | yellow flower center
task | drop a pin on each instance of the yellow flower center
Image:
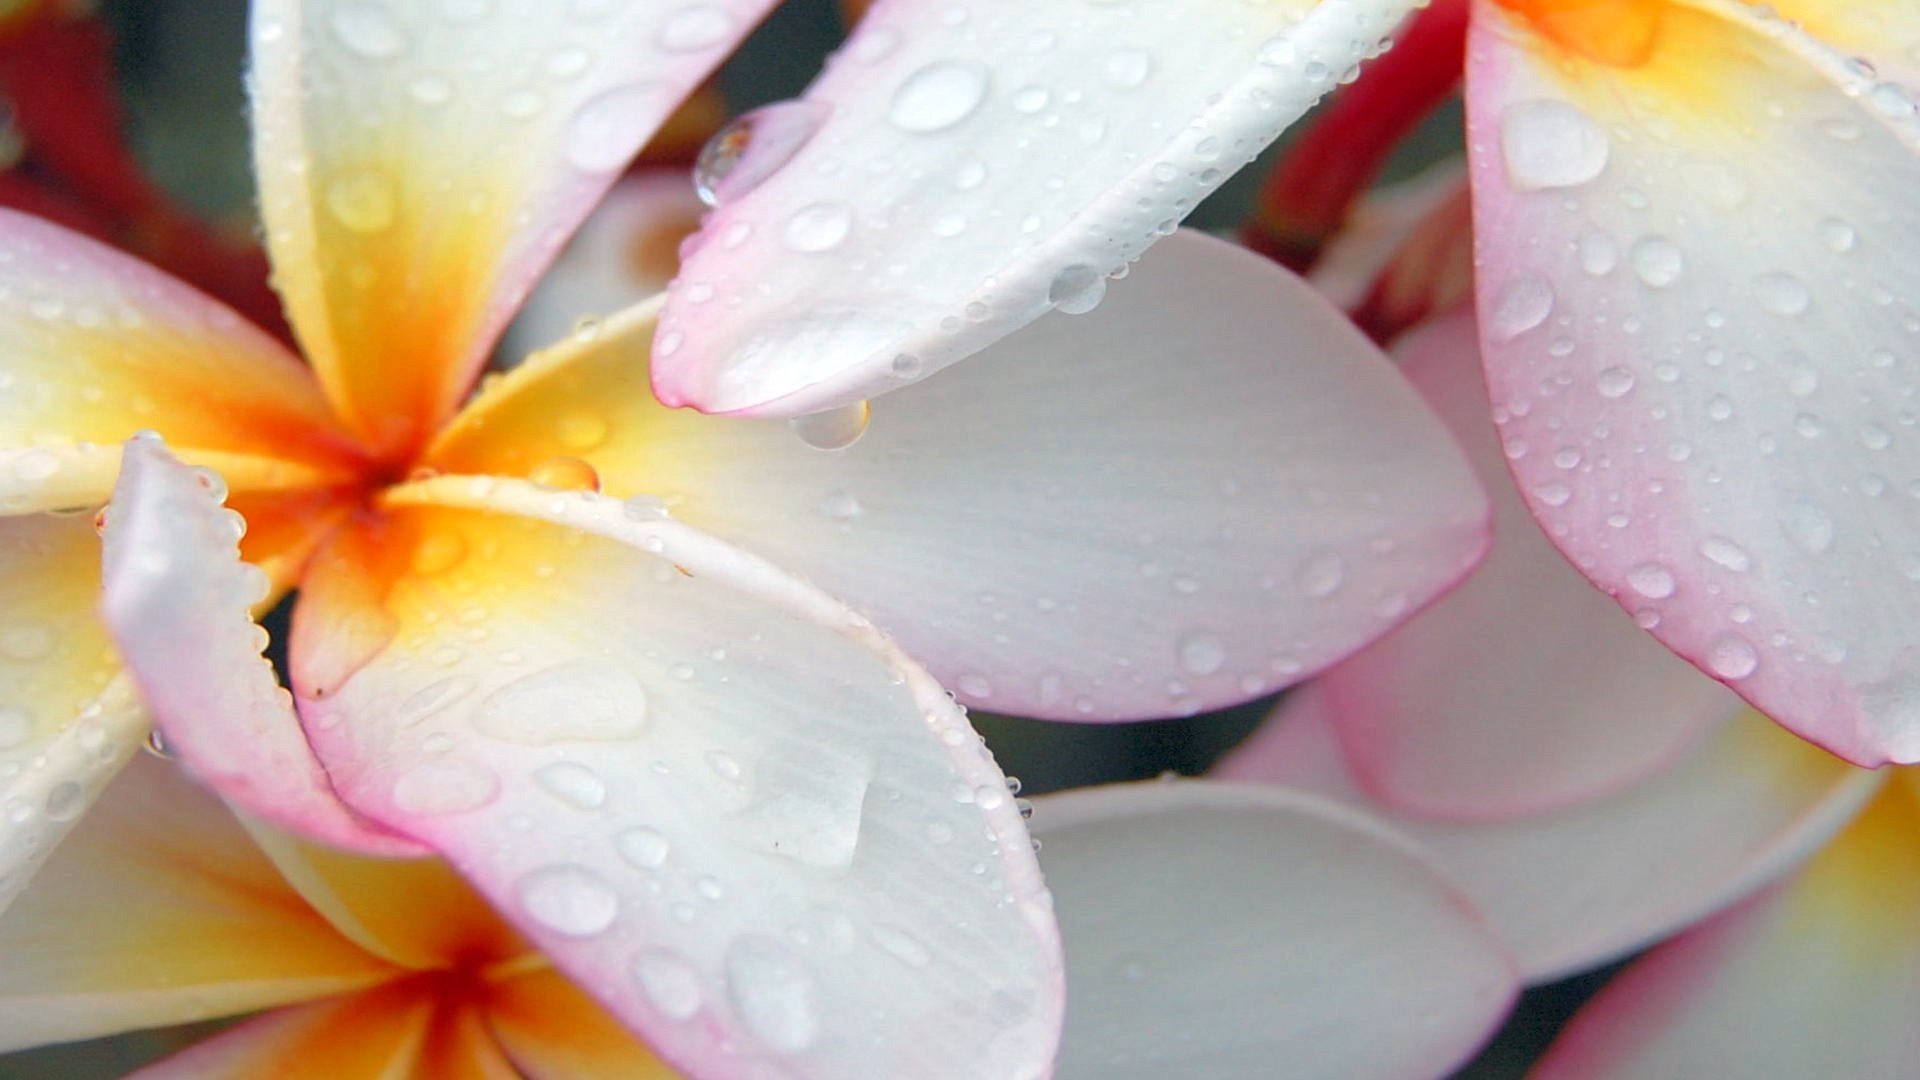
(1620, 33)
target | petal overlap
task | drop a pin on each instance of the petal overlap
(1700, 323)
(1220, 929)
(1008, 156)
(1573, 889)
(720, 802)
(1206, 511)
(419, 165)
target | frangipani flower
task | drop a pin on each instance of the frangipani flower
(633, 734)
(1589, 790)
(162, 908)
(1699, 240)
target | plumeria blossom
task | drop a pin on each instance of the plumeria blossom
(538, 632)
(1694, 223)
(1697, 229)
(163, 908)
(1791, 875)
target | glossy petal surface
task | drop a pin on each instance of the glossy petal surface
(1007, 156)
(175, 600)
(1228, 505)
(1524, 689)
(1220, 929)
(1573, 889)
(100, 346)
(159, 910)
(1817, 977)
(1701, 323)
(420, 164)
(718, 800)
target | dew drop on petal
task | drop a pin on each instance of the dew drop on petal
(834, 429)
(773, 992)
(742, 155)
(1551, 144)
(669, 982)
(1731, 656)
(569, 900)
(939, 95)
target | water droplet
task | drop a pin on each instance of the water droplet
(724, 765)
(16, 727)
(1202, 654)
(1522, 304)
(65, 800)
(691, 29)
(1656, 261)
(1725, 552)
(566, 474)
(645, 848)
(742, 155)
(834, 429)
(1129, 68)
(1321, 574)
(361, 201)
(1077, 289)
(773, 992)
(1731, 656)
(939, 95)
(569, 900)
(1614, 382)
(438, 552)
(1782, 294)
(1651, 580)
(1809, 527)
(578, 700)
(582, 431)
(1551, 144)
(574, 784)
(669, 982)
(819, 227)
(368, 30)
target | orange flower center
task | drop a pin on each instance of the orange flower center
(1620, 33)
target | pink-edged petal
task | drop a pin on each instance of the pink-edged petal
(419, 164)
(1572, 889)
(721, 802)
(1699, 311)
(1228, 930)
(629, 248)
(969, 170)
(159, 910)
(1819, 976)
(176, 599)
(1523, 690)
(1224, 508)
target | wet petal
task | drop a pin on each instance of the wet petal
(419, 166)
(1218, 929)
(1699, 313)
(1572, 889)
(1007, 159)
(554, 1031)
(66, 723)
(1580, 702)
(176, 597)
(718, 800)
(100, 346)
(1230, 505)
(372, 1036)
(159, 910)
(1816, 977)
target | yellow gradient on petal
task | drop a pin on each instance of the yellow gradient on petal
(1661, 58)
(383, 1034)
(1862, 892)
(55, 656)
(553, 1029)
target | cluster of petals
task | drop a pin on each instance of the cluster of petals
(632, 673)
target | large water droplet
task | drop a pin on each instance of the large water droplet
(773, 992)
(1077, 289)
(742, 155)
(818, 227)
(1522, 304)
(643, 847)
(834, 429)
(1731, 656)
(1551, 144)
(939, 95)
(1656, 261)
(669, 982)
(1651, 580)
(569, 900)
